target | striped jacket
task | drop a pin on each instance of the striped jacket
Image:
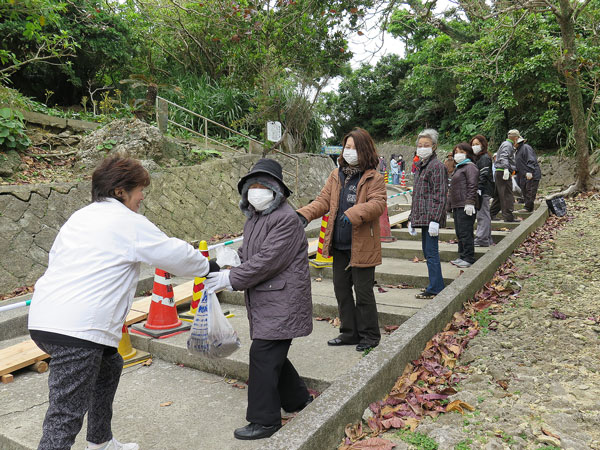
(430, 193)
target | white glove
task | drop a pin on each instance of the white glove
(411, 230)
(217, 281)
(478, 192)
(506, 175)
(469, 210)
(434, 229)
(529, 176)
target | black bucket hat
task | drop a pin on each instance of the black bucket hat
(269, 167)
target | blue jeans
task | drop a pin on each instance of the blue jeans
(432, 255)
(395, 178)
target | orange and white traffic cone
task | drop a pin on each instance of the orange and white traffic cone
(162, 319)
(188, 316)
(403, 180)
(129, 354)
(320, 261)
(384, 227)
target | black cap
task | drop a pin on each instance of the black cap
(269, 167)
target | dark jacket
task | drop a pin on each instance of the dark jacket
(486, 179)
(342, 235)
(505, 157)
(364, 215)
(463, 186)
(429, 193)
(274, 272)
(526, 162)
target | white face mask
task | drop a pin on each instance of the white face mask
(424, 152)
(351, 156)
(476, 149)
(459, 157)
(261, 199)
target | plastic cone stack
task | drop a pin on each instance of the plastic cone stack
(384, 226)
(320, 261)
(130, 355)
(162, 319)
(198, 288)
(403, 180)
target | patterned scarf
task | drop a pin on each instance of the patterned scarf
(349, 172)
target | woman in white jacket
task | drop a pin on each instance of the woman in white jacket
(80, 303)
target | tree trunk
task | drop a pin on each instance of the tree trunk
(569, 69)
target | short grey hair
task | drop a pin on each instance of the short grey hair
(428, 133)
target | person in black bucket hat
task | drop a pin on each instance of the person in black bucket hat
(275, 278)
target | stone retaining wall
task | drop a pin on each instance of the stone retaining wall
(191, 203)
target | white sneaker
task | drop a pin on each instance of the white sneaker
(463, 264)
(113, 444)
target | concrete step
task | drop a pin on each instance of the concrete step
(317, 363)
(393, 307)
(409, 249)
(397, 271)
(446, 235)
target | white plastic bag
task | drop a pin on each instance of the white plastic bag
(226, 256)
(515, 187)
(212, 336)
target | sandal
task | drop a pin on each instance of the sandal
(425, 296)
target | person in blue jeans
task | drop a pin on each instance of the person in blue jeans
(394, 168)
(428, 210)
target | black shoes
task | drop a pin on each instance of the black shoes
(364, 346)
(254, 431)
(337, 341)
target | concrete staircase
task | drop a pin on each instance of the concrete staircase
(182, 401)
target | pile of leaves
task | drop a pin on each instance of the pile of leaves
(39, 166)
(16, 292)
(425, 386)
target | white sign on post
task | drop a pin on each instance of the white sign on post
(273, 131)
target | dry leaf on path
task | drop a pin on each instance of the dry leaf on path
(549, 433)
(318, 279)
(374, 443)
(412, 423)
(147, 363)
(503, 384)
(458, 405)
(166, 403)
(390, 328)
(415, 259)
(322, 319)
(381, 290)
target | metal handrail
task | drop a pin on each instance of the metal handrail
(206, 138)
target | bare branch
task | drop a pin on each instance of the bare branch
(579, 8)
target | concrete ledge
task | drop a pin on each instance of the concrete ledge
(373, 376)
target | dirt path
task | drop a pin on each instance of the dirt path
(532, 373)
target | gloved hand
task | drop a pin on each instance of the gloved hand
(529, 175)
(303, 220)
(217, 281)
(345, 219)
(411, 230)
(506, 174)
(434, 229)
(213, 266)
(478, 192)
(469, 210)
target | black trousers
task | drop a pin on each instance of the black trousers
(529, 192)
(505, 199)
(273, 383)
(463, 225)
(359, 321)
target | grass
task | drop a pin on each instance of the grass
(418, 440)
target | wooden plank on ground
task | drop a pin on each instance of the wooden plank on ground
(20, 355)
(313, 245)
(398, 219)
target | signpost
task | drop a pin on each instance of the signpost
(274, 131)
(331, 150)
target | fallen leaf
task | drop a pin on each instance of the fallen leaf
(230, 380)
(390, 328)
(354, 432)
(335, 322)
(373, 443)
(411, 422)
(147, 363)
(166, 403)
(239, 386)
(318, 279)
(502, 383)
(549, 433)
(558, 315)
(415, 259)
(322, 319)
(381, 290)
(458, 405)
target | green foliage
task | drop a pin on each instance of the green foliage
(464, 445)
(418, 440)
(12, 130)
(106, 145)
(202, 154)
(483, 319)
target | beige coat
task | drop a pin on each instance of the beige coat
(371, 200)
